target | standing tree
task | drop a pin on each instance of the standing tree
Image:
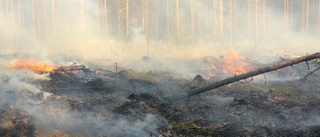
(177, 20)
(285, 17)
(249, 18)
(127, 20)
(256, 24)
(192, 21)
(45, 16)
(38, 15)
(147, 24)
(82, 16)
(168, 20)
(105, 16)
(264, 16)
(215, 16)
(1, 13)
(231, 19)
(307, 17)
(53, 19)
(19, 12)
(319, 17)
(33, 18)
(119, 18)
(221, 20)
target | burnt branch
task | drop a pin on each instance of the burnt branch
(252, 73)
(311, 73)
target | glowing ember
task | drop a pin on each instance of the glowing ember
(38, 67)
(214, 67)
(210, 76)
(235, 63)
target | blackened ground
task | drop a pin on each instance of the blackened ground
(91, 103)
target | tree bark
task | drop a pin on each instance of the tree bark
(127, 20)
(147, 25)
(192, 21)
(252, 73)
(105, 16)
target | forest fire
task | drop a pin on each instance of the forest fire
(234, 63)
(38, 67)
(159, 68)
(231, 63)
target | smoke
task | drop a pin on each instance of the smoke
(78, 29)
(75, 31)
(53, 114)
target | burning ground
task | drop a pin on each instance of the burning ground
(41, 98)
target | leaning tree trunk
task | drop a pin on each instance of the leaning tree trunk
(253, 73)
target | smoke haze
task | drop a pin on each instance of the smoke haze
(90, 30)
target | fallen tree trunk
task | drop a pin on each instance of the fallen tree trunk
(253, 73)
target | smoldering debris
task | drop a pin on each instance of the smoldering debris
(78, 100)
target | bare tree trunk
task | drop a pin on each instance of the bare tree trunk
(157, 22)
(82, 16)
(45, 16)
(12, 22)
(147, 25)
(22, 13)
(307, 17)
(221, 20)
(142, 14)
(134, 15)
(1, 12)
(127, 20)
(234, 19)
(285, 17)
(19, 12)
(256, 25)
(249, 18)
(168, 20)
(38, 16)
(33, 18)
(215, 16)
(53, 19)
(177, 19)
(12, 15)
(291, 16)
(319, 17)
(264, 18)
(7, 5)
(252, 73)
(105, 16)
(119, 19)
(207, 21)
(98, 17)
(231, 19)
(65, 16)
(192, 21)
(87, 14)
(302, 16)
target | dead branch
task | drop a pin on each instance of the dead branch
(311, 73)
(252, 73)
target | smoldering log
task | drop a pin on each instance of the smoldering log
(252, 73)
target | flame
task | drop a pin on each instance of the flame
(234, 63)
(38, 67)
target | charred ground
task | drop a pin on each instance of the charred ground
(82, 101)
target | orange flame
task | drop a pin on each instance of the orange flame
(234, 63)
(38, 67)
